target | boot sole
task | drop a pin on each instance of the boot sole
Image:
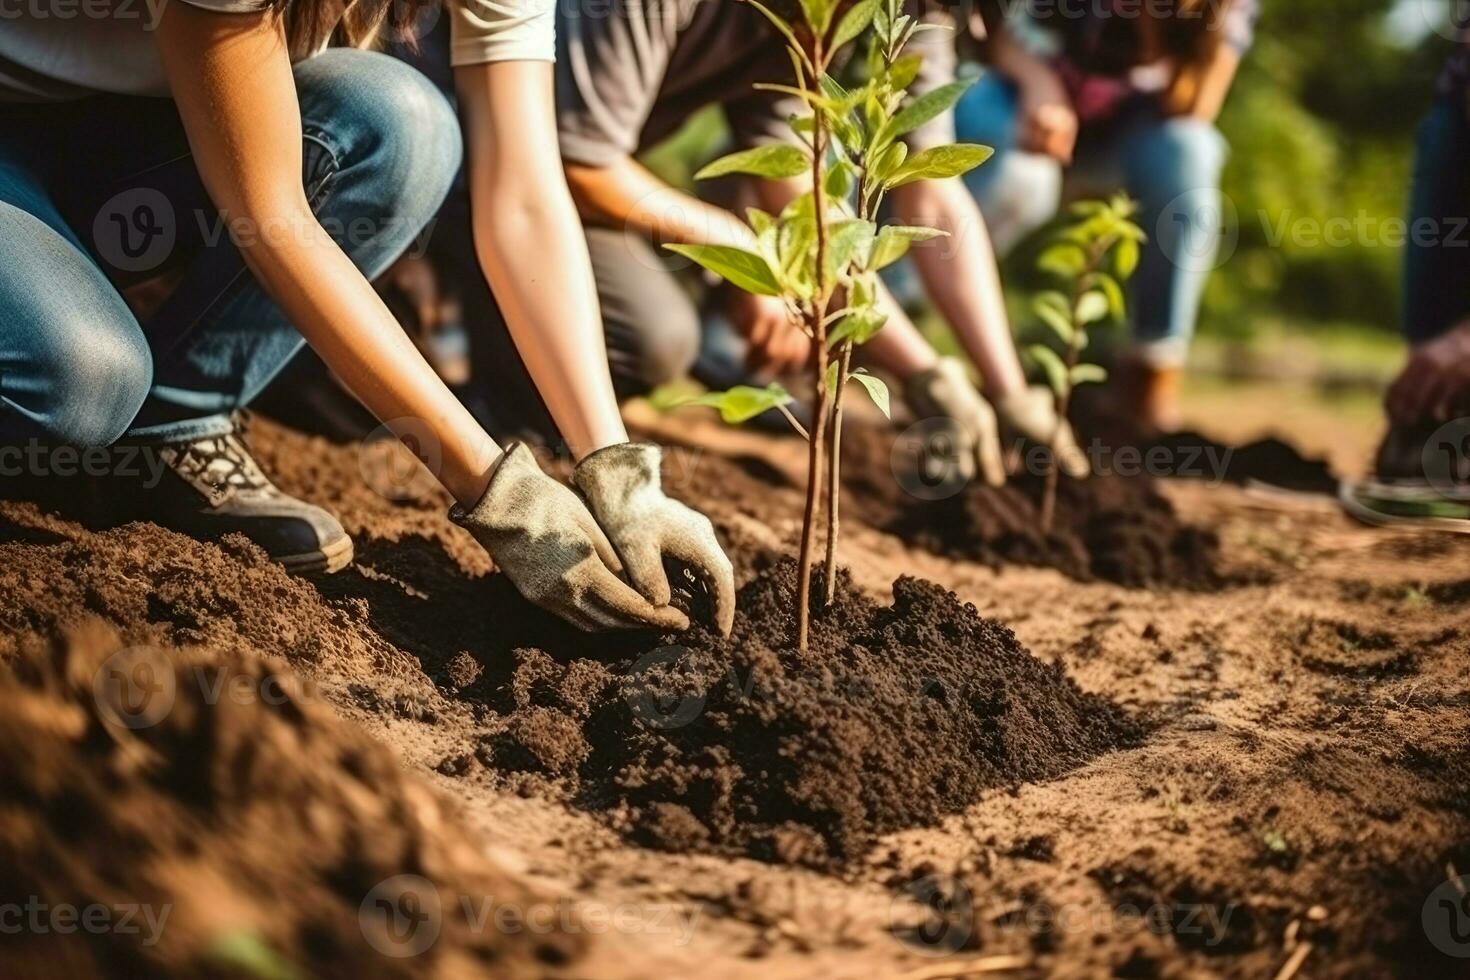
(327, 560)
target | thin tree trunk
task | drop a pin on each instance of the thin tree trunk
(834, 476)
(817, 445)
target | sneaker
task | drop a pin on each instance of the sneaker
(1401, 492)
(213, 487)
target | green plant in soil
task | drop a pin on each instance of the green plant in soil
(822, 253)
(1092, 257)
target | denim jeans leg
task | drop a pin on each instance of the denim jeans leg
(381, 148)
(1173, 167)
(1437, 257)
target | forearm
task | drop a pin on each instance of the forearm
(626, 195)
(532, 250)
(1013, 60)
(345, 322)
(961, 278)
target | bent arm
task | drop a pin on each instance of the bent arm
(626, 194)
(532, 249)
(231, 77)
(961, 277)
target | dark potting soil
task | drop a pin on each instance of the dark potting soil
(897, 716)
(1267, 460)
(1110, 527)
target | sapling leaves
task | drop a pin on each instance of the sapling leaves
(1051, 364)
(940, 162)
(854, 22)
(743, 402)
(740, 268)
(777, 162)
(876, 389)
(893, 243)
(1092, 307)
(1085, 373)
(859, 326)
(923, 109)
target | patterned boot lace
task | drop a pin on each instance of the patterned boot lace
(218, 467)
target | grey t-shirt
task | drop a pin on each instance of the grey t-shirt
(630, 72)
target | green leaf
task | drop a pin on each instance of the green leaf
(859, 326)
(818, 14)
(1084, 373)
(248, 953)
(1110, 288)
(924, 108)
(838, 182)
(1060, 322)
(889, 161)
(876, 389)
(832, 375)
(939, 162)
(1064, 259)
(743, 402)
(854, 22)
(777, 161)
(1125, 258)
(846, 239)
(904, 71)
(1092, 307)
(1052, 364)
(740, 268)
(894, 240)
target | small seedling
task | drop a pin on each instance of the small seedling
(1093, 257)
(822, 253)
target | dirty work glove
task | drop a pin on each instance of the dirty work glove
(944, 392)
(543, 538)
(1032, 413)
(622, 486)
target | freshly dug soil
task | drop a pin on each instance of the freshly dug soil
(1270, 460)
(1119, 529)
(897, 716)
(217, 820)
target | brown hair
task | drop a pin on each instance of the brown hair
(312, 24)
(1192, 34)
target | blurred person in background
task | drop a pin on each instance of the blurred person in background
(1422, 470)
(124, 144)
(1086, 99)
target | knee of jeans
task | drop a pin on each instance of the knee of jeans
(389, 125)
(92, 383)
(1181, 155)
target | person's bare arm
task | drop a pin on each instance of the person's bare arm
(1047, 122)
(230, 75)
(532, 249)
(1213, 85)
(961, 278)
(626, 194)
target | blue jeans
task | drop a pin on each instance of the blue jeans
(101, 194)
(1437, 256)
(1171, 166)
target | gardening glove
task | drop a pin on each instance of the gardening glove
(944, 392)
(543, 538)
(1032, 413)
(622, 486)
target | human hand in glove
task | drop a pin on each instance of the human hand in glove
(543, 538)
(944, 393)
(623, 488)
(1032, 413)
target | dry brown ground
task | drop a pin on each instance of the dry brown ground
(1306, 787)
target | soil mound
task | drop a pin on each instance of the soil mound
(195, 814)
(898, 715)
(1269, 460)
(1120, 529)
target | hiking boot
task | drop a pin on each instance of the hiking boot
(212, 487)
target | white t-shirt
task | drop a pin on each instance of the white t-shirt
(55, 50)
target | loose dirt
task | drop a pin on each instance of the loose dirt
(1179, 783)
